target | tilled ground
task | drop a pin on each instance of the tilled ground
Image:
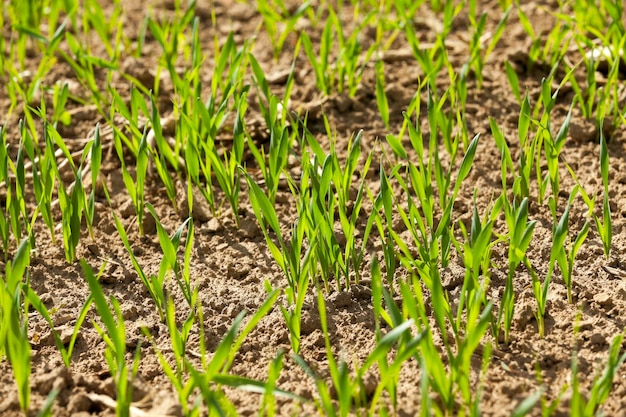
(231, 264)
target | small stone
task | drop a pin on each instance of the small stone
(585, 325)
(248, 228)
(343, 103)
(79, 403)
(309, 322)
(107, 387)
(111, 275)
(10, 402)
(232, 310)
(168, 406)
(62, 318)
(201, 210)
(452, 277)
(598, 342)
(46, 298)
(278, 77)
(523, 316)
(149, 224)
(129, 312)
(341, 299)
(583, 130)
(361, 292)
(316, 338)
(282, 198)
(66, 333)
(58, 378)
(214, 225)
(94, 249)
(127, 209)
(604, 299)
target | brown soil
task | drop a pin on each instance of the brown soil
(231, 265)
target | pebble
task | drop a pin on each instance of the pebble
(58, 378)
(149, 224)
(361, 292)
(340, 299)
(248, 228)
(79, 403)
(309, 322)
(94, 249)
(66, 333)
(127, 209)
(214, 225)
(583, 130)
(604, 299)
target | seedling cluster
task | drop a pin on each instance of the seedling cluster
(422, 162)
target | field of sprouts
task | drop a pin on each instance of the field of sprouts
(331, 208)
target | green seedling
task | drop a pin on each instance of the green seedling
(5, 231)
(95, 161)
(527, 150)
(381, 97)
(46, 408)
(154, 283)
(135, 187)
(384, 202)
(169, 246)
(168, 35)
(66, 352)
(341, 72)
(432, 361)
(281, 136)
(406, 344)
(73, 201)
(279, 22)
(565, 254)
(326, 189)
(18, 207)
(108, 26)
(535, 46)
(291, 256)
(478, 57)
(553, 147)
(200, 123)
(601, 386)
(349, 386)
(178, 344)
(268, 407)
(226, 171)
(513, 81)
(604, 226)
(526, 406)
(14, 342)
(160, 153)
(432, 240)
(476, 250)
(519, 238)
(114, 335)
(84, 65)
(557, 255)
(433, 59)
(11, 217)
(214, 374)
